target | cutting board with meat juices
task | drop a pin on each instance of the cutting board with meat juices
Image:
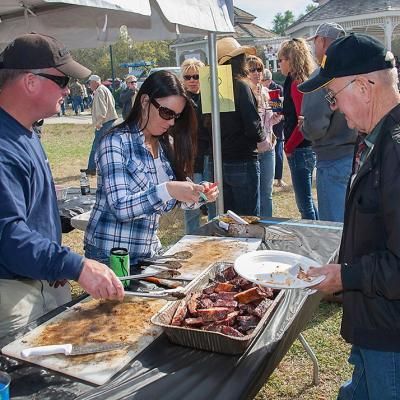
(207, 250)
(91, 321)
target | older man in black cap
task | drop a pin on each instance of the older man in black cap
(332, 140)
(34, 75)
(361, 80)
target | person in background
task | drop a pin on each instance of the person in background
(296, 63)
(34, 76)
(241, 130)
(77, 93)
(143, 164)
(266, 148)
(84, 97)
(332, 140)
(270, 84)
(190, 69)
(363, 86)
(127, 95)
(63, 105)
(103, 116)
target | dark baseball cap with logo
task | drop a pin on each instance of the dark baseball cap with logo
(37, 51)
(355, 54)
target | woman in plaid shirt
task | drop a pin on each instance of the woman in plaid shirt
(143, 164)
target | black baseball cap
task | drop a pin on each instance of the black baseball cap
(354, 54)
(37, 51)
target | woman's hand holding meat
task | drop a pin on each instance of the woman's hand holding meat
(211, 191)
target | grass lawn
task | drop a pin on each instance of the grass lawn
(68, 146)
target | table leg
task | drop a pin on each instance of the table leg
(310, 352)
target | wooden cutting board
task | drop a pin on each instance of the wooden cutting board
(207, 250)
(93, 321)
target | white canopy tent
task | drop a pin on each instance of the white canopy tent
(91, 23)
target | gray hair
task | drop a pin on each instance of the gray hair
(11, 75)
(387, 77)
(267, 74)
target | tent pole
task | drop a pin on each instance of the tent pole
(216, 125)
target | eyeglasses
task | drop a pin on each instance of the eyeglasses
(130, 82)
(61, 81)
(189, 77)
(330, 97)
(259, 69)
(164, 112)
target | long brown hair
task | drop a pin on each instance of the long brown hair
(180, 140)
(298, 54)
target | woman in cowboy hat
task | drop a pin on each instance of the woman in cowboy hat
(241, 130)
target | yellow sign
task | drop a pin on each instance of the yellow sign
(225, 89)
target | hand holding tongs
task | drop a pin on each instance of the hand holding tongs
(169, 295)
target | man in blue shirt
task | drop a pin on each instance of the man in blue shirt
(34, 74)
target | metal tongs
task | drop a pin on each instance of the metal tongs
(169, 294)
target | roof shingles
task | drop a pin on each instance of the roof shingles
(335, 9)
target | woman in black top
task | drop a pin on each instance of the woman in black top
(241, 130)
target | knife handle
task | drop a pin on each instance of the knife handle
(47, 350)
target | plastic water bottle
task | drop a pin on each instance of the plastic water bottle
(84, 183)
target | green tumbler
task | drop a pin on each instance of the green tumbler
(119, 262)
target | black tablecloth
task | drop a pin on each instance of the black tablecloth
(74, 204)
(170, 372)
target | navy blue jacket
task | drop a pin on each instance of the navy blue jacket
(30, 227)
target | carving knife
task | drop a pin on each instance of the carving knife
(69, 349)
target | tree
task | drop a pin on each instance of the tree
(125, 50)
(311, 7)
(282, 21)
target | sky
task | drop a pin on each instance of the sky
(265, 10)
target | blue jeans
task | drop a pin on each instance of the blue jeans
(279, 159)
(77, 104)
(376, 376)
(267, 172)
(241, 186)
(97, 254)
(332, 179)
(192, 217)
(98, 133)
(302, 163)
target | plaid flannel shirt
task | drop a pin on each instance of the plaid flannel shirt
(128, 207)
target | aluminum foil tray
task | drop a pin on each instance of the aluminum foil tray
(206, 340)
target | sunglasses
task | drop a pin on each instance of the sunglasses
(259, 69)
(164, 112)
(189, 77)
(61, 81)
(130, 82)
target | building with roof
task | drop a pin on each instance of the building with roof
(246, 33)
(378, 18)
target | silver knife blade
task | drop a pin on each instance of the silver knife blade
(96, 348)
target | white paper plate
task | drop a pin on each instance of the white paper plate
(270, 268)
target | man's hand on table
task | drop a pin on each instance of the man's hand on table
(100, 281)
(333, 281)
